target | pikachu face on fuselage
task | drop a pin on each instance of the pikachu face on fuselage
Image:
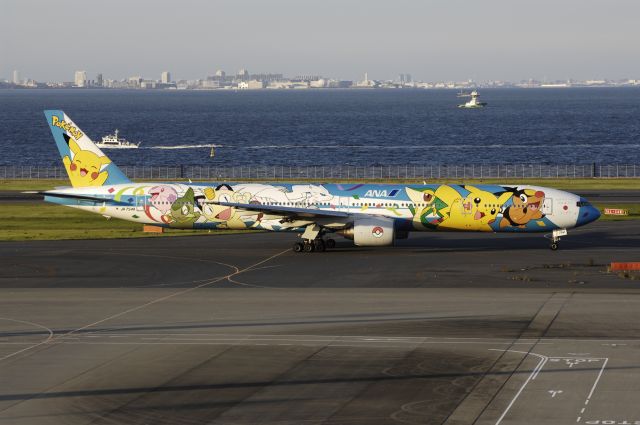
(477, 211)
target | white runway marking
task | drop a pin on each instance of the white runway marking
(147, 304)
(595, 384)
(45, 341)
(531, 376)
(570, 362)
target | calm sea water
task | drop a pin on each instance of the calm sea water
(327, 127)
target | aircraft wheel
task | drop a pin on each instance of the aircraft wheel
(554, 246)
(308, 247)
(330, 243)
(319, 245)
(298, 247)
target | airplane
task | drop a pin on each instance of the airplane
(368, 214)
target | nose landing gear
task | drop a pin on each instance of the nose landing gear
(555, 238)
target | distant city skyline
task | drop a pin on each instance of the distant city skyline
(84, 78)
(245, 80)
(433, 40)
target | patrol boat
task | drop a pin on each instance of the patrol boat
(112, 141)
(474, 102)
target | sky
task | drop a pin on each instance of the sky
(433, 40)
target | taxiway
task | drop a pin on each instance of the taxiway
(236, 329)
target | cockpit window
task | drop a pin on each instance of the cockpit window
(583, 204)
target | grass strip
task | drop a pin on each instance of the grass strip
(43, 221)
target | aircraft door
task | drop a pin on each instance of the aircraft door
(466, 211)
(140, 201)
(344, 203)
(466, 206)
(547, 206)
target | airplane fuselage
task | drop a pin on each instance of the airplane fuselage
(282, 207)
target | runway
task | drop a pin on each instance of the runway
(444, 328)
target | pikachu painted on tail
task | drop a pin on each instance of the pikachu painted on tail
(85, 163)
(85, 168)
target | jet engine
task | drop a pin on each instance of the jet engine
(371, 231)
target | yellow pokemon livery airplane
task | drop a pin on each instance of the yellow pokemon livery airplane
(369, 214)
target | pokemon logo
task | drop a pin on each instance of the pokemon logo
(69, 128)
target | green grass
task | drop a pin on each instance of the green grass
(35, 184)
(566, 184)
(29, 221)
(634, 212)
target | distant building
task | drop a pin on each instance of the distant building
(80, 79)
(251, 85)
(339, 84)
(16, 77)
(307, 78)
(99, 80)
(267, 77)
(318, 84)
(243, 74)
(165, 77)
(221, 74)
(366, 82)
(407, 78)
(135, 81)
(210, 84)
(148, 84)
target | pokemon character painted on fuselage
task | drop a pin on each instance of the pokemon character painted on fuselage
(431, 207)
(183, 210)
(224, 216)
(162, 197)
(447, 208)
(369, 214)
(526, 206)
(478, 210)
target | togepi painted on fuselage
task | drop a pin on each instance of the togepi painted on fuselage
(488, 208)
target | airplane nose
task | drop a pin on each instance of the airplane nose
(593, 214)
(588, 213)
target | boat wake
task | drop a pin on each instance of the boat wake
(183, 146)
(402, 147)
(453, 147)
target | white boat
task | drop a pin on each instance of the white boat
(474, 102)
(112, 141)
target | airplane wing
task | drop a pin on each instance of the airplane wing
(291, 211)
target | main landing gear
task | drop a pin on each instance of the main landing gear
(312, 241)
(555, 238)
(314, 245)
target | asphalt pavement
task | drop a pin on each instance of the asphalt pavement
(453, 328)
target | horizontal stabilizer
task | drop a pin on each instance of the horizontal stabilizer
(96, 199)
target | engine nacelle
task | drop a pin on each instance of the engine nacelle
(371, 231)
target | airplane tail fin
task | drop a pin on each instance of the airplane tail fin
(85, 163)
